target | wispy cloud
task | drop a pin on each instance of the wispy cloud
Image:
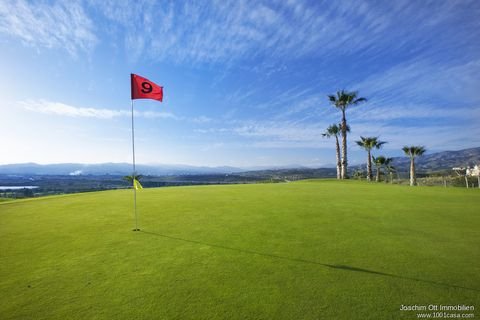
(222, 31)
(286, 134)
(420, 80)
(201, 119)
(421, 89)
(410, 111)
(199, 31)
(451, 136)
(62, 109)
(63, 25)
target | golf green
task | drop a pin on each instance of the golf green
(318, 249)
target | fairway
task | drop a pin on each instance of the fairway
(319, 249)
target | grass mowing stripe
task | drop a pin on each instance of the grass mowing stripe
(340, 267)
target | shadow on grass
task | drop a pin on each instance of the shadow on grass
(332, 266)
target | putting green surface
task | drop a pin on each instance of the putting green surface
(305, 250)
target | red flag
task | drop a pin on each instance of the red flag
(143, 88)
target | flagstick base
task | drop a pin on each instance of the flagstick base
(136, 230)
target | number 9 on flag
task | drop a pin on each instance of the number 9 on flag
(142, 88)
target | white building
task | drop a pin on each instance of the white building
(473, 172)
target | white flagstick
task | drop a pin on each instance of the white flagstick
(134, 175)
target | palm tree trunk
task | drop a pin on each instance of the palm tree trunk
(339, 164)
(377, 177)
(344, 145)
(413, 179)
(369, 167)
(391, 177)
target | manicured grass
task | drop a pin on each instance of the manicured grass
(304, 250)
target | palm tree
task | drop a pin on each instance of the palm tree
(334, 131)
(342, 100)
(412, 152)
(389, 168)
(358, 174)
(379, 163)
(369, 143)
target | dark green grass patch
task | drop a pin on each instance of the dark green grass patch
(304, 250)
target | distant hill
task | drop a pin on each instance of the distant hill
(290, 173)
(439, 161)
(110, 168)
(444, 160)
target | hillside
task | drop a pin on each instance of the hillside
(109, 168)
(302, 250)
(430, 162)
(445, 160)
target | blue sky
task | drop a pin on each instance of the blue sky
(245, 82)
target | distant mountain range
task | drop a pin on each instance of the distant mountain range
(110, 168)
(445, 160)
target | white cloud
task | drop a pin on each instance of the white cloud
(62, 25)
(62, 109)
(153, 115)
(294, 134)
(201, 119)
(277, 134)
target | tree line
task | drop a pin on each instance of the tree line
(342, 100)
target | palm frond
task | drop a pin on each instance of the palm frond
(379, 144)
(414, 151)
(357, 101)
(406, 150)
(379, 161)
(332, 130)
(420, 150)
